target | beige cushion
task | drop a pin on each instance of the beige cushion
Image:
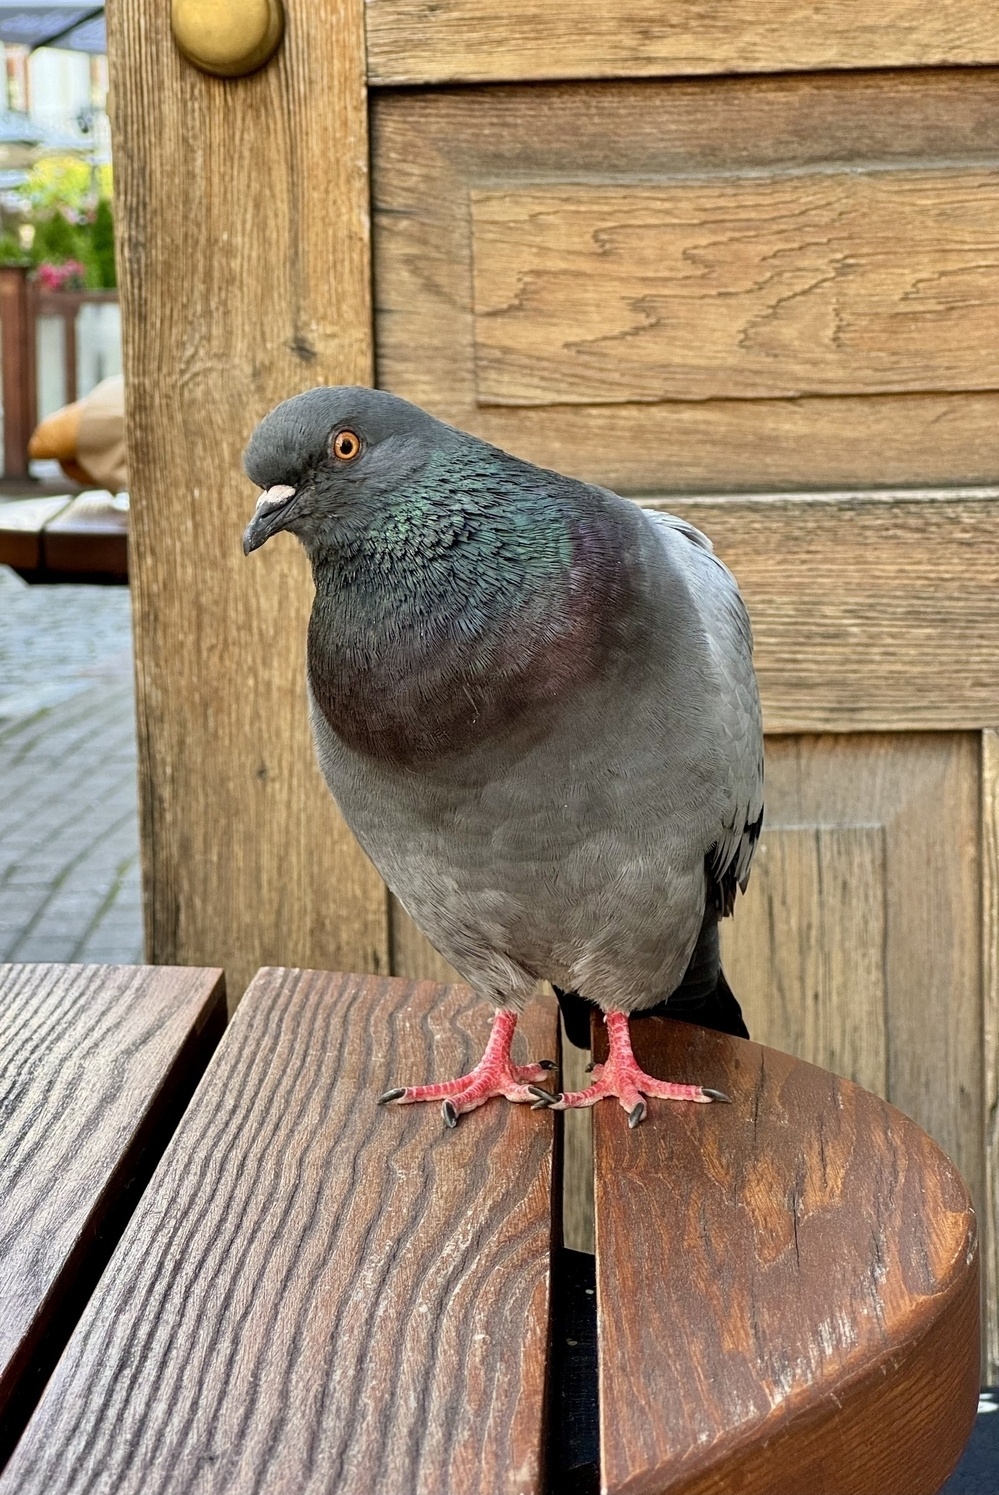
(100, 444)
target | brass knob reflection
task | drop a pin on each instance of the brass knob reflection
(227, 37)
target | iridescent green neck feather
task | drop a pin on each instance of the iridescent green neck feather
(465, 602)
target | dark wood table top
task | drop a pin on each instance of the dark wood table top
(82, 538)
(320, 1297)
(788, 1289)
(315, 1293)
(96, 1066)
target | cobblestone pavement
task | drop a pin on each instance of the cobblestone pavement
(69, 853)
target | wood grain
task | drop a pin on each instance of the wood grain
(21, 525)
(317, 1295)
(577, 1155)
(432, 151)
(908, 923)
(737, 287)
(452, 41)
(18, 375)
(813, 1321)
(810, 949)
(990, 1030)
(243, 261)
(96, 1064)
(88, 539)
(870, 610)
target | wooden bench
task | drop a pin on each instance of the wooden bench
(315, 1295)
(64, 539)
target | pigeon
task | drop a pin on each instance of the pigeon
(534, 703)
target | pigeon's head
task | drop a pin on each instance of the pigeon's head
(328, 459)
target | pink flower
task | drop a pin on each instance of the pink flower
(70, 276)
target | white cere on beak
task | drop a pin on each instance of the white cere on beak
(273, 498)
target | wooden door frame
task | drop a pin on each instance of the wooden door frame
(244, 262)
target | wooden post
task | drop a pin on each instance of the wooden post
(244, 269)
(990, 1026)
(20, 397)
(69, 317)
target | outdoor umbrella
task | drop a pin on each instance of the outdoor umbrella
(59, 23)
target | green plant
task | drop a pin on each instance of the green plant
(11, 252)
(56, 239)
(102, 239)
(64, 182)
(69, 205)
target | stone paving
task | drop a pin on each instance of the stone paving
(69, 852)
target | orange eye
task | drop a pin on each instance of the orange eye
(346, 445)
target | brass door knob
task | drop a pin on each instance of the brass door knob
(227, 37)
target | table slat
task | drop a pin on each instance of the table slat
(315, 1294)
(90, 538)
(22, 522)
(787, 1286)
(96, 1064)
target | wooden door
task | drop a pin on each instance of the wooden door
(740, 265)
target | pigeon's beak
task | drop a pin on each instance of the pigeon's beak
(269, 516)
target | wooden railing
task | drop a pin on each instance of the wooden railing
(22, 302)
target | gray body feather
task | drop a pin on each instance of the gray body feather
(578, 856)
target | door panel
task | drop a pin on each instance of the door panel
(808, 955)
(598, 276)
(737, 287)
(856, 945)
(869, 610)
(456, 41)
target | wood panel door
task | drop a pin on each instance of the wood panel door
(741, 265)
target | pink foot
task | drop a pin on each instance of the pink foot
(622, 1077)
(495, 1074)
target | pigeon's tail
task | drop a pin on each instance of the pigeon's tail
(703, 996)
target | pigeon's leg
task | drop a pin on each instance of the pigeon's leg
(622, 1077)
(495, 1074)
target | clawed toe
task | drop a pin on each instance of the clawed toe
(622, 1078)
(494, 1075)
(544, 1099)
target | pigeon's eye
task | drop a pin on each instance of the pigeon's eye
(346, 445)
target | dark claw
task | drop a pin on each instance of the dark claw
(544, 1097)
(450, 1114)
(391, 1095)
(548, 1064)
(637, 1114)
(589, 1068)
(717, 1095)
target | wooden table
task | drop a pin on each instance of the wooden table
(96, 1066)
(315, 1295)
(63, 539)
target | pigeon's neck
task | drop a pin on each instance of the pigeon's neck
(460, 610)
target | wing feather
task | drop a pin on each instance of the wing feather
(737, 718)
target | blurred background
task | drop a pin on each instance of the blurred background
(69, 874)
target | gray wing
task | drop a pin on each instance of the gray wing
(736, 717)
